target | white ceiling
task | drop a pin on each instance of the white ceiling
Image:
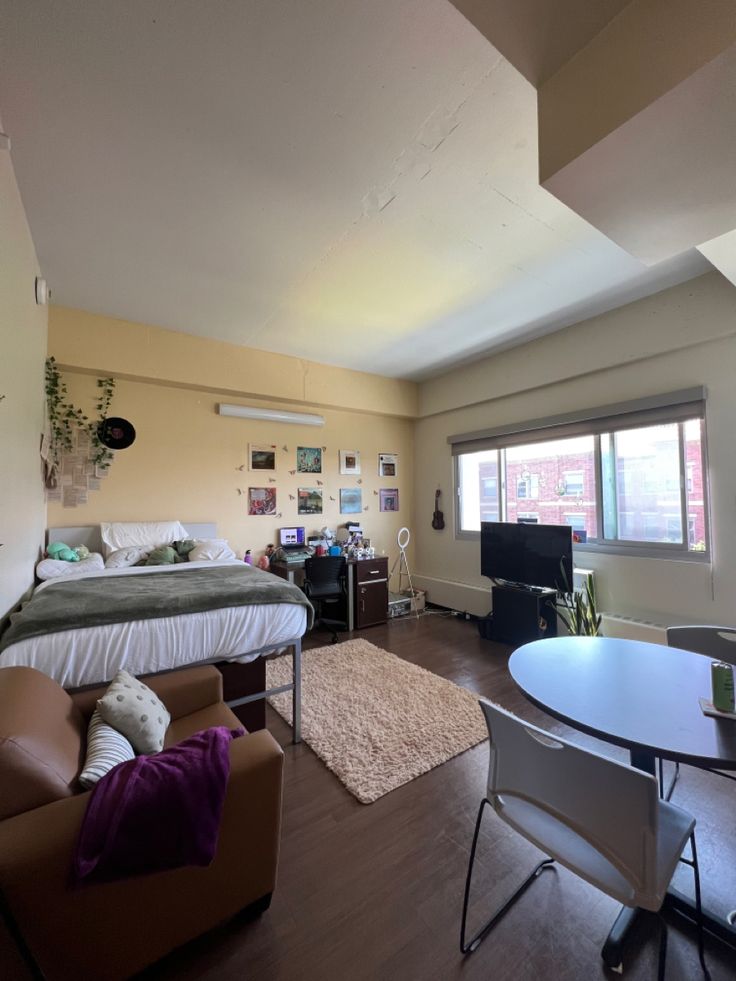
(353, 183)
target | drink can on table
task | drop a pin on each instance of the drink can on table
(723, 690)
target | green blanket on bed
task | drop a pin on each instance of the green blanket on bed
(96, 601)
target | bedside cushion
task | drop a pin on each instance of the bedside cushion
(106, 747)
(136, 711)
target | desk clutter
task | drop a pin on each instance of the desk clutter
(295, 546)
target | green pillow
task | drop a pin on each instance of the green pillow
(58, 550)
(163, 555)
(183, 548)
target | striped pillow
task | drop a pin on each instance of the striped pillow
(106, 747)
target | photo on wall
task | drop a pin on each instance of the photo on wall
(349, 462)
(388, 464)
(388, 498)
(261, 457)
(261, 500)
(309, 500)
(351, 500)
(309, 459)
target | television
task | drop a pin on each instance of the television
(527, 554)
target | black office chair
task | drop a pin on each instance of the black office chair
(325, 583)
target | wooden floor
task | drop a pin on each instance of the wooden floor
(374, 891)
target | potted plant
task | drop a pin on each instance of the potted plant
(578, 609)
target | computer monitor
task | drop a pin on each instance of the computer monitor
(291, 537)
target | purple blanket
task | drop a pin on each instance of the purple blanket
(156, 812)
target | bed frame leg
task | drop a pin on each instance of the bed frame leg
(297, 693)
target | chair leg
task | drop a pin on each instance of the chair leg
(468, 946)
(662, 948)
(699, 909)
(667, 794)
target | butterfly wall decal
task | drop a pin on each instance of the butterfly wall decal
(292, 472)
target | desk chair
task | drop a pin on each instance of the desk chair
(716, 642)
(601, 819)
(325, 583)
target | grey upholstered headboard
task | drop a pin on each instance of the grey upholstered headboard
(89, 535)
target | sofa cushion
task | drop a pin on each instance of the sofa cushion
(135, 710)
(106, 747)
(207, 718)
(42, 736)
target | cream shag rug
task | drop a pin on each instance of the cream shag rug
(375, 720)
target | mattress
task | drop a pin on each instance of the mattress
(93, 655)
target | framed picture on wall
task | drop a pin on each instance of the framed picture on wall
(309, 459)
(388, 498)
(261, 457)
(261, 500)
(349, 462)
(351, 500)
(309, 500)
(387, 464)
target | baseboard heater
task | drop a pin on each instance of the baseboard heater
(633, 628)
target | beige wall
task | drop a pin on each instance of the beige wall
(106, 346)
(681, 337)
(22, 352)
(185, 461)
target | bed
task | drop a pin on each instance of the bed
(147, 620)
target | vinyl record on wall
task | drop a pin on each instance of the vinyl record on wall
(116, 433)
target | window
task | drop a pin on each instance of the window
(576, 521)
(527, 486)
(574, 483)
(636, 479)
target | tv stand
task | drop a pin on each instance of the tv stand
(523, 613)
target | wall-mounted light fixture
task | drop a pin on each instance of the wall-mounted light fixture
(270, 415)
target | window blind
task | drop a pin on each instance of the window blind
(652, 411)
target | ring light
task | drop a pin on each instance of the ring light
(402, 541)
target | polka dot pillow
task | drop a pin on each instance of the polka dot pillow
(133, 709)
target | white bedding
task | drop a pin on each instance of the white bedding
(94, 654)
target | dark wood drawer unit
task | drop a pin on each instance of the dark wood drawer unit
(371, 592)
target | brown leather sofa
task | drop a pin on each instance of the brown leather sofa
(110, 931)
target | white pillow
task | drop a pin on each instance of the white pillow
(124, 557)
(106, 747)
(135, 710)
(210, 549)
(53, 568)
(151, 534)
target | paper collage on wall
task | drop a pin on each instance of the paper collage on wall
(389, 498)
(387, 464)
(78, 474)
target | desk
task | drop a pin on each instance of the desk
(367, 588)
(643, 697)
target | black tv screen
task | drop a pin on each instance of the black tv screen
(532, 555)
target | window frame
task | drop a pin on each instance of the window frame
(663, 550)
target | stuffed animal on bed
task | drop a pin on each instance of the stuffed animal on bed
(58, 550)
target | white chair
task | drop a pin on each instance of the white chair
(601, 819)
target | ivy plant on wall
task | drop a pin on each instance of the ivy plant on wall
(65, 418)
